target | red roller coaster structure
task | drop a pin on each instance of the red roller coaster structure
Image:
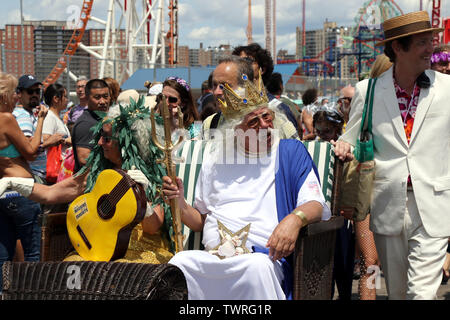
(72, 46)
(372, 13)
(85, 16)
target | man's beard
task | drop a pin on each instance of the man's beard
(258, 143)
(33, 103)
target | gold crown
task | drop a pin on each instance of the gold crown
(236, 105)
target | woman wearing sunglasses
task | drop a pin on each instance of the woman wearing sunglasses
(55, 97)
(18, 215)
(179, 99)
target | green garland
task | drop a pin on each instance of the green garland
(121, 128)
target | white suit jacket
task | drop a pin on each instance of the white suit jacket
(426, 159)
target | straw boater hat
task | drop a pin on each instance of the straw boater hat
(406, 25)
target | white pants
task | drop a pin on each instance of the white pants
(246, 277)
(411, 261)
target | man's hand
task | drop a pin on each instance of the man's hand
(446, 266)
(42, 111)
(170, 190)
(343, 150)
(282, 241)
(53, 140)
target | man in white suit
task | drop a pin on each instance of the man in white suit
(410, 214)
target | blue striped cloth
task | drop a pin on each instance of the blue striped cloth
(28, 123)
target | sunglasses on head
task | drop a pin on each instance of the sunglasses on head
(35, 91)
(334, 118)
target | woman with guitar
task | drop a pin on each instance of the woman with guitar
(18, 215)
(123, 143)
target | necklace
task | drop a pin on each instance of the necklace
(409, 105)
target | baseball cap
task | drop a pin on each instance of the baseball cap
(26, 81)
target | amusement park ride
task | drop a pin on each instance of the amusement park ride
(137, 25)
(144, 23)
(365, 33)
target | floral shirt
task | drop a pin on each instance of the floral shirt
(408, 107)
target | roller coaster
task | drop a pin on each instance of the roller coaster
(137, 34)
(364, 34)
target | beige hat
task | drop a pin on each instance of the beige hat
(150, 101)
(406, 25)
(124, 96)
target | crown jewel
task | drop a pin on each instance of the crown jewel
(239, 102)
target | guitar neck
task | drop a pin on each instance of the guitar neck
(115, 195)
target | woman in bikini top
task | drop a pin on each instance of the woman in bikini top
(15, 147)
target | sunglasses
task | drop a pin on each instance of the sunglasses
(106, 138)
(172, 99)
(33, 91)
(249, 59)
(253, 123)
(348, 99)
(327, 130)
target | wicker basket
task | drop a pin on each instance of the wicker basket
(55, 242)
(89, 280)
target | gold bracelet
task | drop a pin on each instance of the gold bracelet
(301, 215)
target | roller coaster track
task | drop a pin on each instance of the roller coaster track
(72, 46)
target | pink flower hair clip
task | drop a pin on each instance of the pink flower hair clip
(180, 81)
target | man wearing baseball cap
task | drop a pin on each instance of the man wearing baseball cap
(410, 217)
(29, 93)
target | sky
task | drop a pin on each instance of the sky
(214, 22)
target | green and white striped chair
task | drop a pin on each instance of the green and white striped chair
(192, 153)
(315, 248)
(323, 157)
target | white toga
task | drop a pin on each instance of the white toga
(236, 195)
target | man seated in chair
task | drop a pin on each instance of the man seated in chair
(253, 195)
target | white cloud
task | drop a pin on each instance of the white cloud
(200, 33)
(215, 22)
(286, 42)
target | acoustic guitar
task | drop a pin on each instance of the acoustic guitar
(100, 222)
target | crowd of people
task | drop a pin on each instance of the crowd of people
(51, 153)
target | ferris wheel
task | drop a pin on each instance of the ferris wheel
(374, 12)
(133, 36)
(367, 30)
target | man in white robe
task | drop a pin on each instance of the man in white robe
(249, 218)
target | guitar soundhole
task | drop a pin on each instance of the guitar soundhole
(105, 209)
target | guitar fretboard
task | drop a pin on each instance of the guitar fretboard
(109, 201)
